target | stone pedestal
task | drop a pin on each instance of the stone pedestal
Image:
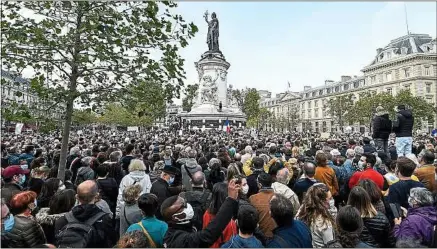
(213, 90)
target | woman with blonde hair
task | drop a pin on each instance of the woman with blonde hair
(314, 212)
(137, 176)
(377, 231)
(130, 213)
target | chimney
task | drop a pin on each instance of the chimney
(379, 50)
(345, 78)
(306, 88)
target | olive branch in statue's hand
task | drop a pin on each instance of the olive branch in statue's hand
(206, 14)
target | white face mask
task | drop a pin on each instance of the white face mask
(189, 214)
(331, 203)
(245, 189)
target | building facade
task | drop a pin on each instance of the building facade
(15, 89)
(408, 62)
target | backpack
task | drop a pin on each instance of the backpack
(199, 208)
(77, 234)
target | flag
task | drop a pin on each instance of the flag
(227, 126)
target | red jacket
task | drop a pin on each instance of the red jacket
(230, 230)
(370, 174)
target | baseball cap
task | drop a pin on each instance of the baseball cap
(11, 171)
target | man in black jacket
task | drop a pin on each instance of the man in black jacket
(381, 129)
(178, 214)
(104, 233)
(199, 198)
(161, 187)
(403, 127)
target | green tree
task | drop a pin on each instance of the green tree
(263, 117)
(338, 107)
(251, 104)
(84, 117)
(93, 49)
(146, 99)
(240, 96)
(115, 113)
(190, 94)
(364, 109)
(422, 110)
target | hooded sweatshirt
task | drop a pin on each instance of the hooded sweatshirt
(239, 242)
(419, 225)
(193, 167)
(403, 126)
(135, 177)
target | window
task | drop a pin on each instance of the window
(346, 87)
(407, 87)
(307, 95)
(313, 94)
(373, 79)
(407, 72)
(388, 76)
(302, 106)
(309, 113)
(316, 103)
(428, 87)
(337, 89)
(356, 84)
(328, 90)
(302, 115)
(309, 104)
(390, 91)
(320, 92)
(316, 113)
(429, 100)
(427, 71)
(388, 55)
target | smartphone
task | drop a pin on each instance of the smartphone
(395, 210)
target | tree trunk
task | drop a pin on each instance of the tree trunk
(65, 138)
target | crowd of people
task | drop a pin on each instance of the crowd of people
(215, 189)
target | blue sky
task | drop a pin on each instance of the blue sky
(270, 43)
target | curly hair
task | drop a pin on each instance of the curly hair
(134, 239)
(314, 205)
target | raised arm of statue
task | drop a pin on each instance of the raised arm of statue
(206, 17)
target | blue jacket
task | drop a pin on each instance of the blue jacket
(27, 157)
(237, 242)
(296, 235)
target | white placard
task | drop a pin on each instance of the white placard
(132, 128)
(18, 128)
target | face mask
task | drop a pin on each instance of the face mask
(411, 202)
(22, 180)
(62, 187)
(171, 180)
(361, 164)
(24, 166)
(9, 223)
(189, 214)
(245, 189)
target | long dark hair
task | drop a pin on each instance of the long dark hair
(63, 201)
(49, 188)
(219, 194)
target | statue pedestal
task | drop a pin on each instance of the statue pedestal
(213, 69)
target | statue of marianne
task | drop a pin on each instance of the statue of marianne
(213, 32)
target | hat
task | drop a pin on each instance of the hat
(11, 171)
(380, 111)
(170, 170)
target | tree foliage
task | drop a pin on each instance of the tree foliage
(190, 92)
(364, 110)
(17, 112)
(115, 113)
(251, 104)
(338, 107)
(145, 99)
(239, 96)
(93, 49)
(84, 117)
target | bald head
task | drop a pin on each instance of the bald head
(198, 179)
(237, 157)
(309, 169)
(282, 176)
(87, 192)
